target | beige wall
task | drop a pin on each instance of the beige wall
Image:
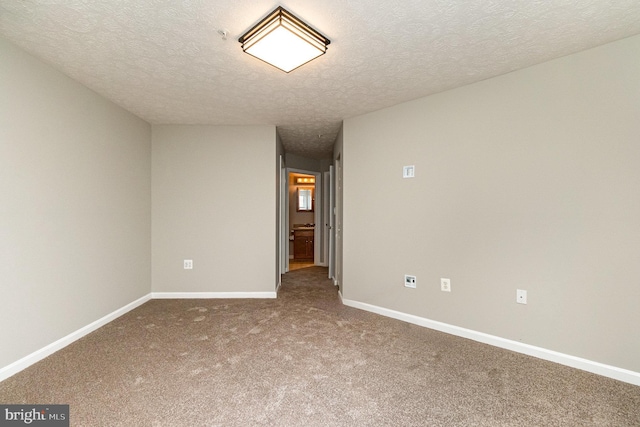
(308, 164)
(76, 205)
(213, 202)
(529, 180)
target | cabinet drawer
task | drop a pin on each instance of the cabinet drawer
(303, 233)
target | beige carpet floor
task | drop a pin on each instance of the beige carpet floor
(304, 359)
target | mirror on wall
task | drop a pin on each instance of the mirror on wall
(304, 199)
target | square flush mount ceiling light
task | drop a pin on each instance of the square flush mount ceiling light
(284, 41)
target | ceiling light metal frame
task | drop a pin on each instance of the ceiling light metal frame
(281, 19)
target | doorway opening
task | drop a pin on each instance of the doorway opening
(306, 217)
(302, 212)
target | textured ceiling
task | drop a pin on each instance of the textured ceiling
(164, 60)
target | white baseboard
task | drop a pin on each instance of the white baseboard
(38, 355)
(539, 352)
(204, 295)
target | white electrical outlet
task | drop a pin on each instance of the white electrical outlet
(521, 296)
(409, 281)
(188, 264)
(445, 284)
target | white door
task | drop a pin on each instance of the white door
(284, 218)
(330, 219)
(338, 223)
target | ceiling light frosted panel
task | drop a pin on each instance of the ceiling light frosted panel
(284, 41)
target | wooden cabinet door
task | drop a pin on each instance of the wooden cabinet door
(299, 247)
(310, 247)
(303, 244)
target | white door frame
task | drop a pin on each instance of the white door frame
(318, 230)
(330, 220)
(283, 218)
(338, 224)
(326, 183)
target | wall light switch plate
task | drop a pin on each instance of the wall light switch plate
(409, 281)
(445, 285)
(521, 296)
(409, 171)
(188, 264)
